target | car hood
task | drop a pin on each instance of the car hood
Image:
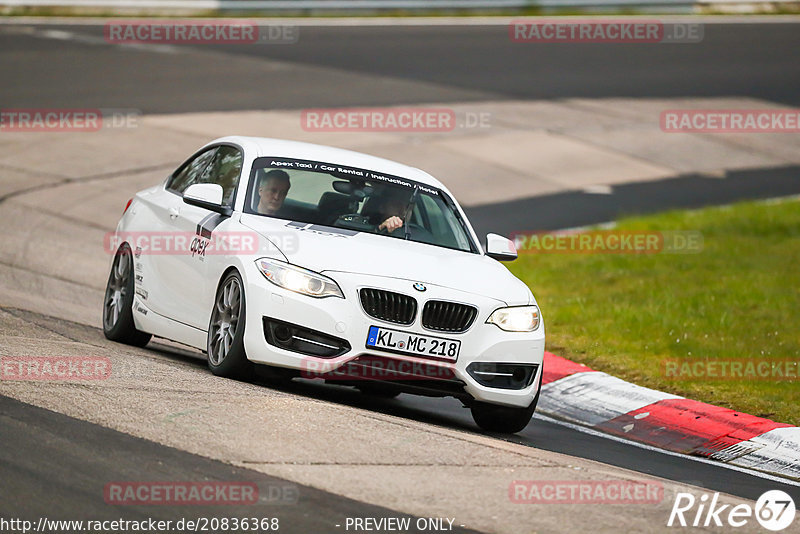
(326, 249)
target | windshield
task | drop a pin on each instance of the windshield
(355, 199)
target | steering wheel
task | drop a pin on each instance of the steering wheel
(354, 221)
(415, 230)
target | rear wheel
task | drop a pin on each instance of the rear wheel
(503, 419)
(225, 347)
(118, 322)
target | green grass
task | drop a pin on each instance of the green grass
(737, 299)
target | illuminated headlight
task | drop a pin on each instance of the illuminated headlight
(516, 319)
(298, 279)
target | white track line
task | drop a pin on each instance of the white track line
(699, 459)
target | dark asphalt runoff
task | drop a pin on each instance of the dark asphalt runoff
(383, 65)
(390, 65)
(572, 209)
(57, 467)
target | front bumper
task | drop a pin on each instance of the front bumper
(345, 320)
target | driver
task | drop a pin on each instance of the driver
(391, 212)
(272, 190)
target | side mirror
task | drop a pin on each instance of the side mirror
(500, 248)
(208, 196)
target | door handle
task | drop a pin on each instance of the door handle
(174, 212)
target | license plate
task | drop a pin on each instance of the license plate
(408, 343)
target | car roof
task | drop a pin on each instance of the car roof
(265, 146)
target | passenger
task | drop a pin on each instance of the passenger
(272, 190)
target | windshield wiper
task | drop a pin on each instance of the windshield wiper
(409, 209)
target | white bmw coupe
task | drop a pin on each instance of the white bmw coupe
(317, 262)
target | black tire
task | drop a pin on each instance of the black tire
(377, 390)
(503, 419)
(118, 322)
(225, 345)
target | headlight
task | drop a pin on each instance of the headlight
(298, 279)
(516, 319)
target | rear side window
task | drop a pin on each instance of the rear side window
(218, 165)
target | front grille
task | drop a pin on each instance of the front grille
(448, 316)
(388, 306)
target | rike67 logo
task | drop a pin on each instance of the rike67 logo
(774, 510)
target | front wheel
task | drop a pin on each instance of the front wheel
(225, 346)
(503, 419)
(118, 322)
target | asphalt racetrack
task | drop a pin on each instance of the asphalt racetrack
(342, 454)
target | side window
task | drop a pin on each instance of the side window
(218, 165)
(437, 223)
(309, 187)
(191, 172)
(438, 216)
(225, 170)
